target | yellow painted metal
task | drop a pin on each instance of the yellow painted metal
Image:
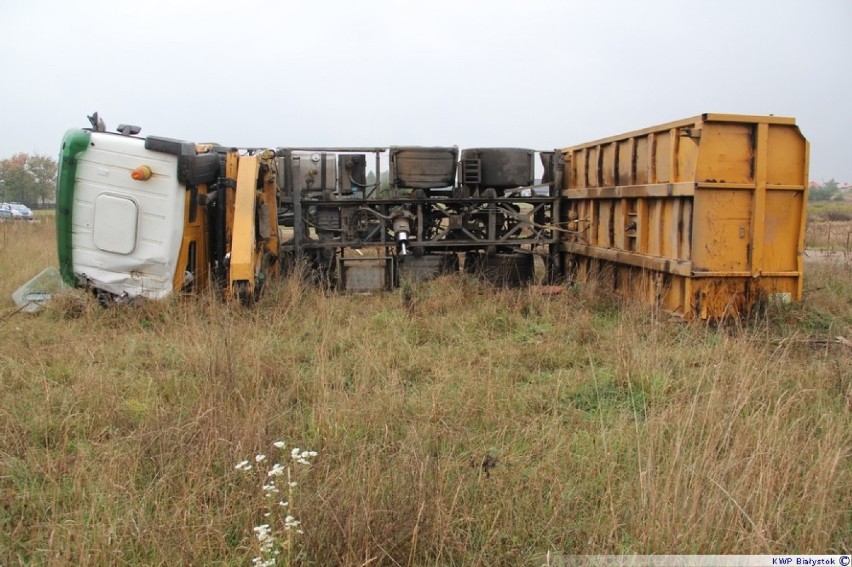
(703, 216)
(194, 255)
(244, 263)
(254, 227)
(250, 233)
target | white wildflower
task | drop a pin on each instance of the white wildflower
(269, 543)
(290, 522)
(302, 457)
(265, 538)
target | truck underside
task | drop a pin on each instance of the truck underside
(146, 217)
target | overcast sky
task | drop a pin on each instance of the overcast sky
(539, 74)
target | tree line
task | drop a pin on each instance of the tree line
(28, 179)
(828, 191)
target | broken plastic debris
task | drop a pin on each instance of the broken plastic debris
(32, 296)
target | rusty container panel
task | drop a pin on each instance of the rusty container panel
(703, 216)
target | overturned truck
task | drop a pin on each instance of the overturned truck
(704, 216)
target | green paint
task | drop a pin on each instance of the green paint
(74, 143)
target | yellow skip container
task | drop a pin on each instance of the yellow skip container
(704, 216)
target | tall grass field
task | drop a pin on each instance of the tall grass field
(447, 424)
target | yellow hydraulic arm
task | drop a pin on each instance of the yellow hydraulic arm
(254, 228)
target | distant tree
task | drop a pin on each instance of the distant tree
(28, 179)
(384, 183)
(17, 182)
(43, 171)
(825, 192)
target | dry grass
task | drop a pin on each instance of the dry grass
(829, 227)
(455, 426)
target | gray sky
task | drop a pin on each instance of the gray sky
(534, 73)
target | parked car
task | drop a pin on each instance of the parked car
(8, 213)
(23, 211)
(26, 212)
